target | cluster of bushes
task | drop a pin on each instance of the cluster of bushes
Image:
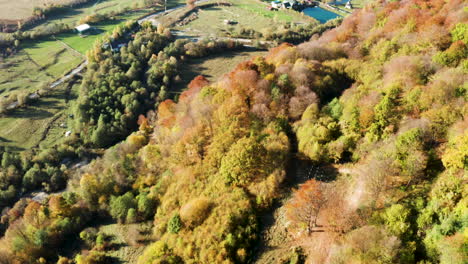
(8, 45)
(38, 230)
(32, 170)
(291, 33)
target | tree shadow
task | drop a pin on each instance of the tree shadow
(5, 140)
(114, 260)
(30, 113)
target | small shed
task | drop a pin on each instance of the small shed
(82, 28)
(276, 4)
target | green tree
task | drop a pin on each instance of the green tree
(119, 206)
(100, 134)
(33, 177)
(146, 206)
(175, 224)
(384, 113)
(244, 162)
(131, 216)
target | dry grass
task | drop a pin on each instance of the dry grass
(213, 67)
(21, 9)
(130, 240)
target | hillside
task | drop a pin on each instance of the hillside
(353, 144)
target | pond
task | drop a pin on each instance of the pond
(320, 14)
(339, 2)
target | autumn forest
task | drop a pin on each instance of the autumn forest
(350, 147)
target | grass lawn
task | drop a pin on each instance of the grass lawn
(72, 16)
(28, 127)
(56, 130)
(247, 13)
(260, 9)
(212, 67)
(83, 44)
(53, 56)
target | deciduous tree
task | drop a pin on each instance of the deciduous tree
(303, 209)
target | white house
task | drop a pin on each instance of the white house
(83, 28)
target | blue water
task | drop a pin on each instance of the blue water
(320, 14)
(339, 2)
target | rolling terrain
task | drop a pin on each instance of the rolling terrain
(185, 146)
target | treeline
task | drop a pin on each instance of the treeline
(119, 86)
(291, 33)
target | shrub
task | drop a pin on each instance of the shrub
(175, 224)
(120, 206)
(89, 236)
(159, 253)
(195, 211)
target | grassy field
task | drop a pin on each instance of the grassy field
(212, 67)
(53, 56)
(72, 16)
(39, 123)
(247, 13)
(82, 44)
(19, 72)
(37, 63)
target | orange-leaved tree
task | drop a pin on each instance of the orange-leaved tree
(191, 3)
(304, 207)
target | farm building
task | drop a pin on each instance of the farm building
(83, 28)
(287, 4)
(276, 4)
